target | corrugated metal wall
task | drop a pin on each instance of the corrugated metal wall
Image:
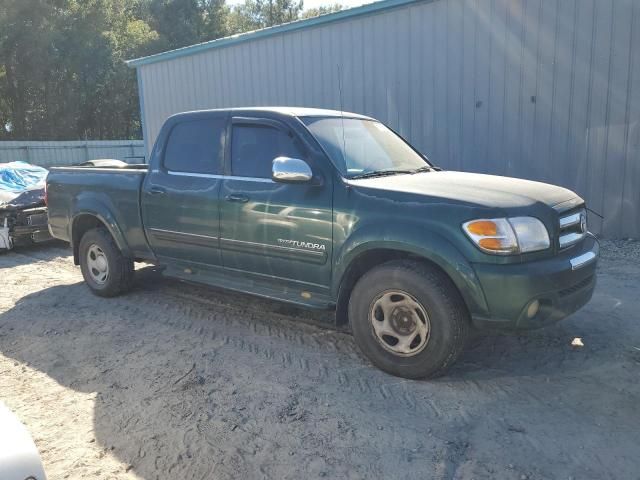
(541, 89)
(51, 154)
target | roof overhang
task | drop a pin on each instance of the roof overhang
(368, 9)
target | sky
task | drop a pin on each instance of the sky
(316, 3)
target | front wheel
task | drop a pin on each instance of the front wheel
(105, 270)
(408, 319)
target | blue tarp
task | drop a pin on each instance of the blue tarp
(21, 185)
(18, 177)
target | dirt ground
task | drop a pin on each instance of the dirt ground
(174, 381)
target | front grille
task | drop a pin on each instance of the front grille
(576, 287)
(37, 219)
(573, 228)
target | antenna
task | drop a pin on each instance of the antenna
(344, 142)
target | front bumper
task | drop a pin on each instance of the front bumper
(561, 285)
(24, 226)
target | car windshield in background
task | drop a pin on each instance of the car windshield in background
(361, 148)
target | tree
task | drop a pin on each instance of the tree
(62, 62)
(185, 22)
(62, 72)
(255, 14)
(25, 39)
(322, 10)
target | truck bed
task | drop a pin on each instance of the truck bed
(109, 192)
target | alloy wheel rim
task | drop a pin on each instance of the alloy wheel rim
(400, 323)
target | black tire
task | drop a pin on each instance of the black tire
(120, 268)
(447, 318)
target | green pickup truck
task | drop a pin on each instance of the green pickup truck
(329, 209)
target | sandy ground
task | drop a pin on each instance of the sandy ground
(174, 381)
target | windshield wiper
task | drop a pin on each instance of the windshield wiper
(379, 173)
(426, 168)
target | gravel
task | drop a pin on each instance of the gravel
(181, 381)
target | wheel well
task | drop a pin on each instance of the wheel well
(81, 225)
(361, 265)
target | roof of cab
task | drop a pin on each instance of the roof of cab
(288, 111)
(307, 112)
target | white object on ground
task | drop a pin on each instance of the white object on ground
(19, 457)
(5, 239)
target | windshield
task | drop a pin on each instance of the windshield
(360, 147)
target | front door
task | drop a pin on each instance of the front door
(180, 203)
(279, 232)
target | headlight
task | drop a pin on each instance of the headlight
(505, 236)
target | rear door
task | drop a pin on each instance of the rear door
(274, 230)
(180, 204)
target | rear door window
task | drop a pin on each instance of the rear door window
(254, 147)
(196, 146)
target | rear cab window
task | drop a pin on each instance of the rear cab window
(254, 147)
(196, 146)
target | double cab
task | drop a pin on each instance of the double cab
(329, 209)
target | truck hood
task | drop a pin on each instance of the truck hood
(475, 189)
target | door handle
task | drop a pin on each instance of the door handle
(237, 198)
(157, 191)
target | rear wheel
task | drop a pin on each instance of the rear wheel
(408, 319)
(105, 270)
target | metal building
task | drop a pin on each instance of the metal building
(541, 89)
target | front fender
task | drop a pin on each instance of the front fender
(99, 206)
(418, 241)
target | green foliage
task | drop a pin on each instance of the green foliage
(256, 14)
(62, 70)
(322, 10)
(185, 22)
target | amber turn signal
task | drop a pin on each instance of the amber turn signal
(484, 228)
(492, 244)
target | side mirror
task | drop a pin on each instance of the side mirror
(290, 170)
